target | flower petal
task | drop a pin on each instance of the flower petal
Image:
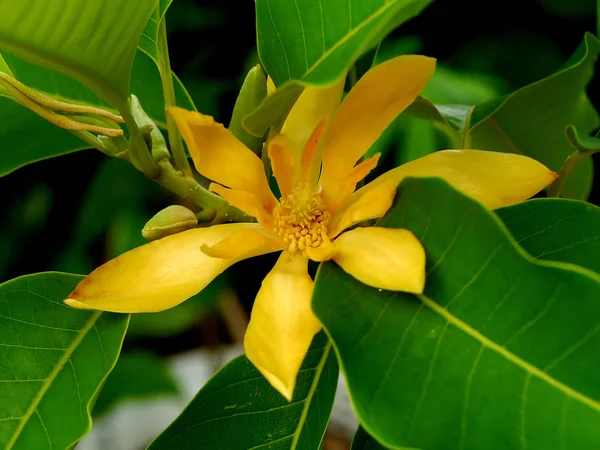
(371, 204)
(313, 105)
(247, 202)
(219, 156)
(348, 184)
(384, 258)
(378, 97)
(493, 178)
(282, 163)
(242, 242)
(282, 324)
(310, 164)
(161, 274)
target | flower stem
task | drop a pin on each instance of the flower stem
(140, 154)
(175, 142)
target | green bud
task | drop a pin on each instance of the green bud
(252, 93)
(173, 219)
(152, 135)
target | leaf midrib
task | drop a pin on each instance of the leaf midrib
(508, 355)
(48, 382)
(310, 395)
(374, 15)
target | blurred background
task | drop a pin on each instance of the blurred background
(74, 212)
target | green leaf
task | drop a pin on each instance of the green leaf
(93, 44)
(21, 145)
(238, 408)
(532, 120)
(584, 144)
(54, 358)
(498, 352)
(556, 230)
(137, 375)
(149, 42)
(316, 42)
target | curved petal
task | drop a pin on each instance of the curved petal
(495, 179)
(219, 156)
(242, 242)
(370, 204)
(313, 105)
(378, 97)
(348, 184)
(384, 258)
(282, 163)
(161, 274)
(282, 324)
(247, 202)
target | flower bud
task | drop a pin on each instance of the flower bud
(173, 219)
(252, 93)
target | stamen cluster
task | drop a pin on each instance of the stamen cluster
(301, 218)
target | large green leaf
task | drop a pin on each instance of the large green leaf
(93, 42)
(137, 375)
(498, 353)
(311, 42)
(532, 120)
(149, 41)
(316, 41)
(557, 229)
(54, 358)
(238, 408)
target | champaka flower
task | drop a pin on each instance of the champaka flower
(314, 160)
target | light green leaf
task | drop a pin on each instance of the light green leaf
(557, 230)
(54, 358)
(585, 144)
(238, 409)
(315, 41)
(94, 43)
(137, 375)
(532, 120)
(499, 351)
(149, 42)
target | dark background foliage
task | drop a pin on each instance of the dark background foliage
(212, 44)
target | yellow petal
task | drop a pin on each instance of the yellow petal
(244, 242)
(384, 258)
(370, 204)
(282, 163)
(348, 184)
(310, 164)
(161, 274)
(247, 202)
(313, 105)
(282, 324)
(219, 156)
(378, 97)
(495, 179)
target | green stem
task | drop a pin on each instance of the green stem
(189, 189)
(575, 158)
(179, 155)
(140, 155)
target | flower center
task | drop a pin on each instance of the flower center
(301, 218)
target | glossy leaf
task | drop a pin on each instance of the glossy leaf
(137, 375)
(238, 408)
(499, 351)
(54, 359)
(317, 41)
(532, 120)
(311, 42)
(556, 230)
(93, 43)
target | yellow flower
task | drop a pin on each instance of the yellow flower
(314, 161)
